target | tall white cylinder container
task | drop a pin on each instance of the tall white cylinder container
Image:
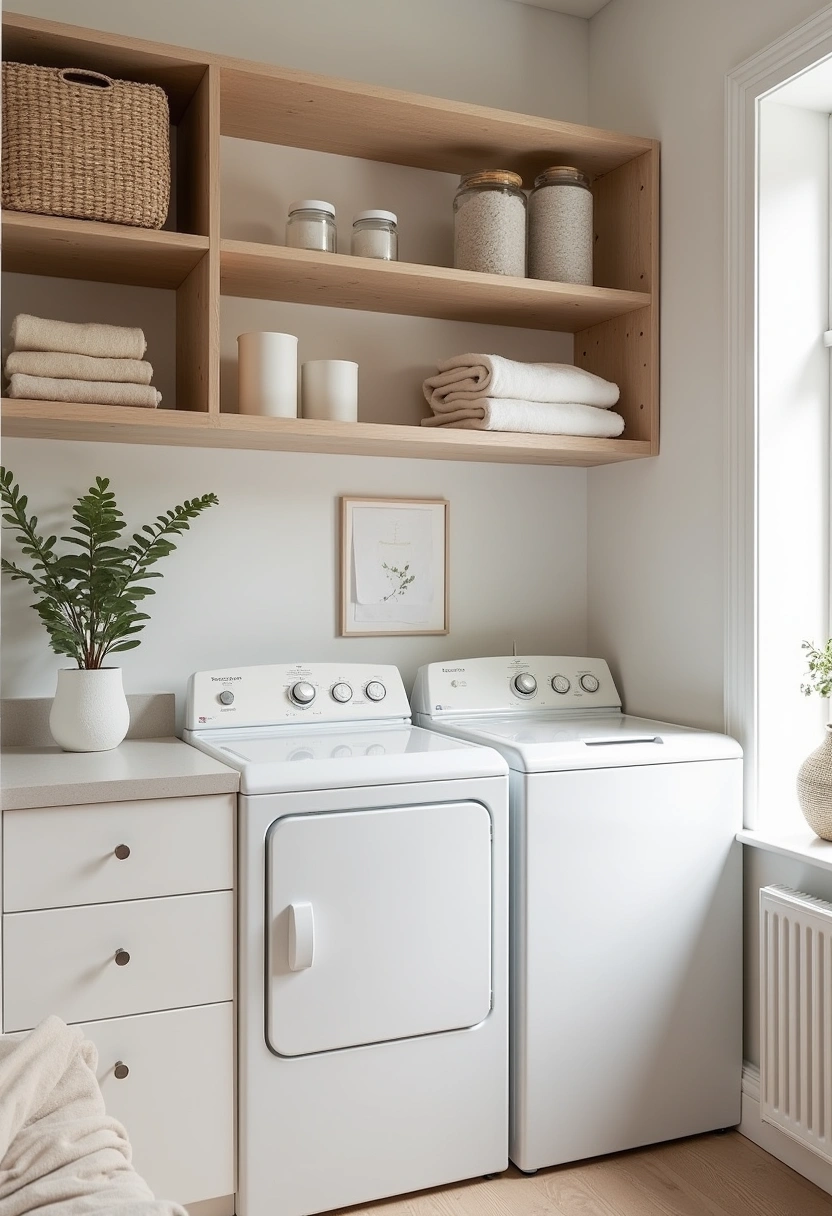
(90, 712)
(329, 390)
(267, 374)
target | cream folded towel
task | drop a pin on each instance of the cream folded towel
(83, 392)
(60, 1153)
(100, 341)
(78, 367)
(465, 378)
(532, 418)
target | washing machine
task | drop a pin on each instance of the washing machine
(626, 916)
(372, 931)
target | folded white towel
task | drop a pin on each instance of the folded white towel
(83, 392)
(468, 377)
(532, 418)
(78, 367)
(100, 341)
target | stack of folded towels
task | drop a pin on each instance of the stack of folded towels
(95, 364)
(489, 393)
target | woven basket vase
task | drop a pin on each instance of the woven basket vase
(78, 144)
(814, 788)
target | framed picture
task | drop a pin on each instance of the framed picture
(394, 566)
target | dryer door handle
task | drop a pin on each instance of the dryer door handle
(301, 936)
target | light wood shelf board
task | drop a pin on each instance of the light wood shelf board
(278, 105)
(104, 253)
(54, 44)
(302, 276)
(116, 424)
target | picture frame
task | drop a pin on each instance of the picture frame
(394, 567)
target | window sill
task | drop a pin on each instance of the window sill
(802, 846)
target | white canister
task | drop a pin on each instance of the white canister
(267, 374)
(89, 713)
(329, 390)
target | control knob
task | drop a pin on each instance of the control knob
(589, 683)
(561, 684)
(226, 697)
(341, 692)
(525, 685)
(375, 690)
(302, 693)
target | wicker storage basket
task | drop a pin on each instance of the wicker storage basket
(79, 144)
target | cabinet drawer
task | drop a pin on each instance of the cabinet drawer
(63, 856)
(63, 961)
(177, 1100)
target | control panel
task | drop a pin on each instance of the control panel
(518, 684)
(278, 695)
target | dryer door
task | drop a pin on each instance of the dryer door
(378, 924)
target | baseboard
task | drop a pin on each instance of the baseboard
(212, 1207)
(802, 1160)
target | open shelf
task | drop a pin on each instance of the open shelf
(122, 424)
(103, 253)
(301, 276)
(615, 326)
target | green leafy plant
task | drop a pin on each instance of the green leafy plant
(89, 598)
(400, 579)
(819, 675)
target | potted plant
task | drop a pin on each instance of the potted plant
(814, 778)
(89, 601)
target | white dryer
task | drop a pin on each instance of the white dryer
(626, 935)
(373, 922)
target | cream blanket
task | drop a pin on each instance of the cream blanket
(78, 367)
(531, 418)
(100, 341)
(463, 378)
(60, 1154)
(83, 392)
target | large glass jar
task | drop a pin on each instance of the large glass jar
(311, 225)
(560, 226)
(375, 235)
(490, 223)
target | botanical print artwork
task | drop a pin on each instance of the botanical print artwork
(394, 562)
(392, 558)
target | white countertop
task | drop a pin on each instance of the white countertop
(138, 768)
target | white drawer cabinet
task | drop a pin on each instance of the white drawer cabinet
(71, 961)
(57, 857)
(177, 1097)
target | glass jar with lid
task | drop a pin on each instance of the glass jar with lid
(375, 235)
(311, 225)
(560, 226)
(490, 223)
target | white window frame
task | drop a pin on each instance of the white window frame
(796, 52)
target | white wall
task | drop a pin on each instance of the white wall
(255, 580)
(656, 529)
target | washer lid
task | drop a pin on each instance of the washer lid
(282, 759)
(536, 744)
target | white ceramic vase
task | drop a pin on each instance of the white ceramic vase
(89, 713)
(814, 788)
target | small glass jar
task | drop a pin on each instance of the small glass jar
(560, 226)
(490, 223)
(311, 225)
(375, 235)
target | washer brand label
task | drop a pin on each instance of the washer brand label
(224, 679)
(453, 668)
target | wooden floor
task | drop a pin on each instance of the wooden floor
(719, 1175)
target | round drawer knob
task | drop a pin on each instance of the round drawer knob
(121, 1070)
(122, 851)
(122, 958)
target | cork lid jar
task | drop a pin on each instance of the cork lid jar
(490, 223)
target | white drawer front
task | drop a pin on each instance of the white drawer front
(62, 856)
(177, 1099)
(64, 961)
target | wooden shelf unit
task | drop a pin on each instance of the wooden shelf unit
(615, 324)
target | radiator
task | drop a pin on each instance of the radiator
(796, 1016)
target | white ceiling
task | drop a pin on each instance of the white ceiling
(573, 8)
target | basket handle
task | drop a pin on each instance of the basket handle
(85, 79)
